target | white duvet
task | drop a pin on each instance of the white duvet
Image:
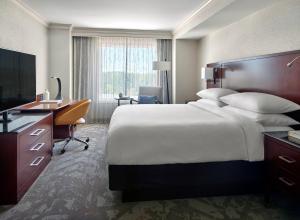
(191, 133)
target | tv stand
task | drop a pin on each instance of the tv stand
(26, 149)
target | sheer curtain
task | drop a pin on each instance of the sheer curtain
(107, 66)
(112, 74)
(140, 56)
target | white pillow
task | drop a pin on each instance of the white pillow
(273, 129)
(264, 119)
(260, 102)
(214, 93)
(212, 102)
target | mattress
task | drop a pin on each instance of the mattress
(187, 133)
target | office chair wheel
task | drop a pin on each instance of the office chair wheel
(86, 147)
(87, 140)
(62, 151)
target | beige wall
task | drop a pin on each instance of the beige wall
(186, 70)
(273, 29)
(60, 55)
(19, 31)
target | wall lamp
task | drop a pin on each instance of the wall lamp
(207, 73)
(290, 64)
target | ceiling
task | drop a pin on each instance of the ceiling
(231, 13)
(117, 14)
(186, 19)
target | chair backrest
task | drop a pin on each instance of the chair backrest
(151, 91)
(73, 113)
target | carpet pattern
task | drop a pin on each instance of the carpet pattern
(75, 186)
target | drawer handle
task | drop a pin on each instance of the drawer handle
(37, 161)
(37, 147)
(286, 181)
(286, 159)
(37, 132)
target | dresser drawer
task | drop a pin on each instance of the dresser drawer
(35, 132)
(287, 182)
(28, 174)
(282, 155)
(41, 147)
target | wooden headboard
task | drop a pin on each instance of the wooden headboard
(268, 74)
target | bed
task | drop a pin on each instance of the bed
(179, 151)
(191, 133)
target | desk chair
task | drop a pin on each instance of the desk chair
(72, 116)
(149, 95)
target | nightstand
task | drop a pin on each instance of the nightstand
(282, 164)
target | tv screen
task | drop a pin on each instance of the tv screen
(17, 79)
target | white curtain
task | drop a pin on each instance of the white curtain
(86, 67)
(140, 56)
(107, 66)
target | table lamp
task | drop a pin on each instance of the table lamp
(58, 96)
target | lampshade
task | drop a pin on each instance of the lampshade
(207, 73)
(161, 65)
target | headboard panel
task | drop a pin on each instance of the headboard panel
(268, 74)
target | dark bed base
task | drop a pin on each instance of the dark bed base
(174, 181)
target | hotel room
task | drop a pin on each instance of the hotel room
(147, 109)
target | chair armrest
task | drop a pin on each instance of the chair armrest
(133, 100)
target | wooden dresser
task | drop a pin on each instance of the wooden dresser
(283, 164)
(25, 150)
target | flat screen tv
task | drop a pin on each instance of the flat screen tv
(17, 79)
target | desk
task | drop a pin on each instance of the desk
(59, 132)
(39, 106)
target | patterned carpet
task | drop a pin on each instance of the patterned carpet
(75, 186)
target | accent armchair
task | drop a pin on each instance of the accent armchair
(149, 95)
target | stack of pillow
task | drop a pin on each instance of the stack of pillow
(263, 108)
(212, 96)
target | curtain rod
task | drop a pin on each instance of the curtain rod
(91, 32)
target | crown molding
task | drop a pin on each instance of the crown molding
(31, 12)
(95, 32)
(60, 26)
(206, 10)
(193, 15)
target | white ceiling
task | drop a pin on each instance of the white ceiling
(119, 14)
(233, 12)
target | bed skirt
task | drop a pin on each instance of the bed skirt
(177, 181)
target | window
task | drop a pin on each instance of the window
(105, 66)
(126, 64)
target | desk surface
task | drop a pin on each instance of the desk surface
(47, 106)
